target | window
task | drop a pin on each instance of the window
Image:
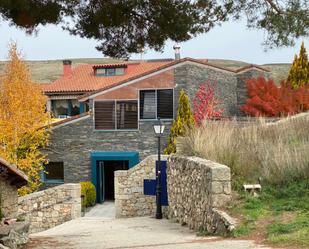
(148, 104)
(104, 112)
(165, 103)
(156, 104)
(109, 71)
(123, 117)
(126, 115)
(54, 172)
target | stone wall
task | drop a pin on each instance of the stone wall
(130, 200)
(9, 198)
(51, 207)
(73, 143)
(197, 189)
(190, 77)
(230, 87)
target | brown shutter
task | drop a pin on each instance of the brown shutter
(104, 113)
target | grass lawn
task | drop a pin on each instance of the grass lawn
(278, 216)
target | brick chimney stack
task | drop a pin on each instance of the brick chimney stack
(67, 68)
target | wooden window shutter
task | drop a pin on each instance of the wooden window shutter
(104, 113)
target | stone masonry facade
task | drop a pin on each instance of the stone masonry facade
(9, 198)
(197, 189)
(51, 207)
(130, 200)
(230, 88)
(73, 143)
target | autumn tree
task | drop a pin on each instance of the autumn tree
(183, 121)
(124, 27)
(268, 100)
(299, 72)
(22, 116)
(206, 104)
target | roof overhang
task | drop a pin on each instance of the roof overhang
(12, 173)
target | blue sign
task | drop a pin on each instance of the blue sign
(150, 184)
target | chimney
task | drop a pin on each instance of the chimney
(67, 68)
(176, 48)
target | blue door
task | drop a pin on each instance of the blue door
(101, 180)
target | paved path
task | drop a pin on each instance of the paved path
(105, 210)
(97, 233)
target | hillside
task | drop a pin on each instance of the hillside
(50, 70)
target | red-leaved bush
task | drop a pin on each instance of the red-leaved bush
(206, 104)
(268, 100)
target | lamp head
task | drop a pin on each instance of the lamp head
(158, 128)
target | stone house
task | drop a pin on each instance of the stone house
(119, 104)
(10, 180)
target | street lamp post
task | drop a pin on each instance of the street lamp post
(159, 129)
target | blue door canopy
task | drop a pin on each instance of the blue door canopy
(131, 156)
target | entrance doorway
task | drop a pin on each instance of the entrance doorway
(106, 178)
(117, 160)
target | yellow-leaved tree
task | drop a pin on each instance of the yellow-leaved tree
(22, 116)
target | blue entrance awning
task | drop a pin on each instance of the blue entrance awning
(131, 156)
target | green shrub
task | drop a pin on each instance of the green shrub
(89, 193)
(183, 121)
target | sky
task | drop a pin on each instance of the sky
(230, 41)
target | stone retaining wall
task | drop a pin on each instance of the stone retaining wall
(51, 207)
(130, 200)
(8, 198)
(197, 189)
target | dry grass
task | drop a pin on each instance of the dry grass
(278, 153)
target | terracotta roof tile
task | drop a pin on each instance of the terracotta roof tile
(83, 79)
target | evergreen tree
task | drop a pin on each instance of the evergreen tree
(299, 72)
(183, 121)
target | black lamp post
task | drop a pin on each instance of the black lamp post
(159, 129)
